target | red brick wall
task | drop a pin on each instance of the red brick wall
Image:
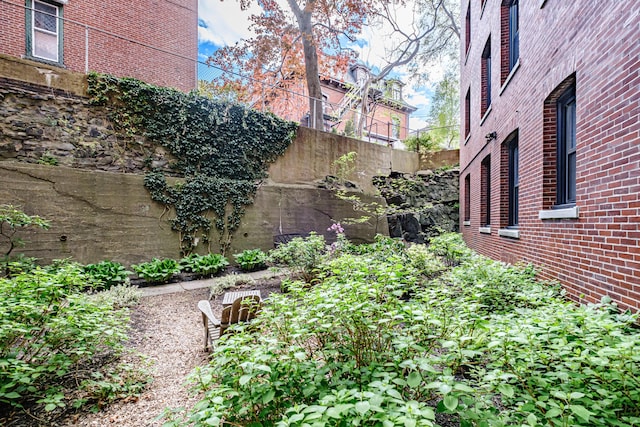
(164, 35)
(597, 253)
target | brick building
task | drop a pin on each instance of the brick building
(152, 40)
(550, 141)
(389, 112)
(387, 120)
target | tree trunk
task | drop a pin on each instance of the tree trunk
(312, 72)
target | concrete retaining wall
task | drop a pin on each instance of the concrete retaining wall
(99, 215)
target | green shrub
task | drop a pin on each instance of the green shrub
(107, 274)
(157, 270)
(118, 381)
(451, 247)
(204, 265)
(229, 281)
(48, 330)
(12, 220)
(251, 259)
(424, 260)
(303, 255)
(484, 344)
(118, 296)
(14, 265)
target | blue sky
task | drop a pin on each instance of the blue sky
(223, 23)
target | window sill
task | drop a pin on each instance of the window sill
(485, 230)
(566, 213)
(466, 54)
(509, 232)
(468, 137)
(486, 114)
(510, 76)
(484, 3)
(466, 223)
(44, 61)
(542, 2)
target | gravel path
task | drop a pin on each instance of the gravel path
(168, 330)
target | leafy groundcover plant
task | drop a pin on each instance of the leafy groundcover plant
(482, 344)
(54, 340)
(157, 271)
(302, 255)
(204, 265)
(106, 274)
(251, 259)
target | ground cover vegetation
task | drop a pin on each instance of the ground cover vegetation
(62, 343)
(220, 149)
(389, 335)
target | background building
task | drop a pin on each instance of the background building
(550, 140)
(154, 41)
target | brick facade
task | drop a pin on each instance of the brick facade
(152, 40)
(593, 246)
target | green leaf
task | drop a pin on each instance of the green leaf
(363, 407)
(506, 390)
(12, 395)
(450, 402)
(553, 413)
(244, 379)
(409, 422)
(581, 411)
(268, 396)
(414, 379)
(394, 393)
(532, 420)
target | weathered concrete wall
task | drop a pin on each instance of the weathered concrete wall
(312, 155)
(100, 215)
(439, 159)
(54, 78)
(96, 200)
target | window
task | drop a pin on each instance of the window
(467, 198)
(566, 157)
(485, 76)
(44, 31)
(509, 38)
(514, 181)
(485, 192)
(559, 145)
(395, 127)
(514, 31)
(467, 21)
(467, 114)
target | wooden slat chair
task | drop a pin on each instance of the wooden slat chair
(242, 310)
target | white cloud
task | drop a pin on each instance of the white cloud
(224, 22)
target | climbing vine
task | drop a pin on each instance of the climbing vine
(222, 151)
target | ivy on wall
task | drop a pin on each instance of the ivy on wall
(222, 151)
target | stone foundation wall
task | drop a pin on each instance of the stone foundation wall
(427, 203)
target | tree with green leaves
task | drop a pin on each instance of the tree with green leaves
(13, 219)
(444, 113)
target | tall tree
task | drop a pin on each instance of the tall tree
(431, 32)
(302, 41)
(444, 112)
